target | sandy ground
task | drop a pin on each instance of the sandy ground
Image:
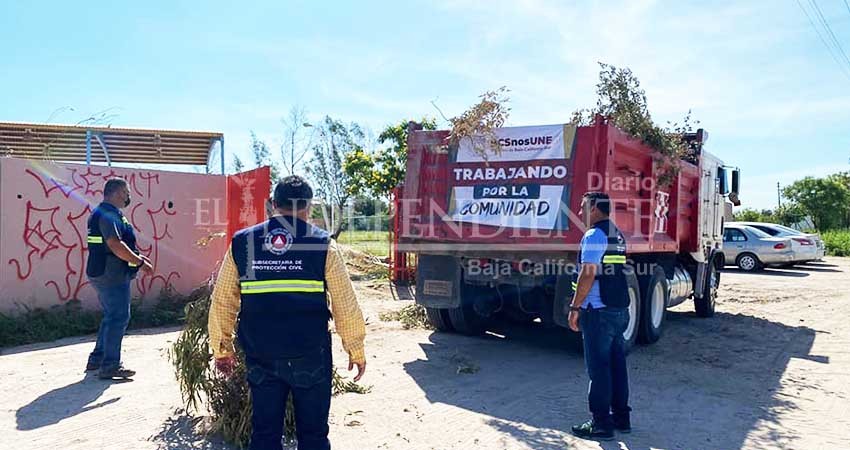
(771, 370)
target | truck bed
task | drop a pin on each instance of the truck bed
(453, 200)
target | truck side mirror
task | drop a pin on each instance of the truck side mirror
(736, 181)
(736, 186)
(721, 177)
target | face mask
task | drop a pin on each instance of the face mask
(127, 202)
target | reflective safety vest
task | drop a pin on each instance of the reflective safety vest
(281, 265)
(98, 252)
(613, 288)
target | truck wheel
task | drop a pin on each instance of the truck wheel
(631, 333)
(439, 318)
(748, 262)
(466, 321)
(705, 305)
(653, 306)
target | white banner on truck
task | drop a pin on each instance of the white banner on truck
(524, 144)
(514, 206)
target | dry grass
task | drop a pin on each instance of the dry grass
(477, 125)
(364, 266)
(227, 400)
(411, 316)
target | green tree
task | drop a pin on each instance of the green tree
(622, 100)
(748, 215)
(333, 184)
(359, 166)
(844, 179)
(788, 214)
(262, 157)
(368, 206)
(825, 200)
(377, 173)
(237, 164)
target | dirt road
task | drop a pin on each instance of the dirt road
(771, 370)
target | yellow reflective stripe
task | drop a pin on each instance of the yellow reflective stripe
(281, 289)
(282, 286)
(614, 259)
(267, 286)
(575, 285)
(95, 239)
(273, 282)
(132, 265)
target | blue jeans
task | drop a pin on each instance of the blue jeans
(309, 379)
(605, 358)
(115, 302)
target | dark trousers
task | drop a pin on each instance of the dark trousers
(605, 358)
(309, 379)
(115, 302)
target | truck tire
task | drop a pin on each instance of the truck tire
(466, 321)
(439, 318)
(631, 333)
(748, 262)
(705, 306)
(656, 293)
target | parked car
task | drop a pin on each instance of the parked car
(752, 249)
(807, 246)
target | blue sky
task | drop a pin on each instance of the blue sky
(754, 73)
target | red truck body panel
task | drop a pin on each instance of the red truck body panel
(653, 218)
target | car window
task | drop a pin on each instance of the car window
(768, 230)
(789, 230)
(759, 234)
(733, 235)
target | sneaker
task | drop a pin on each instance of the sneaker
(623, 425)
(588, 430)
(118, 372)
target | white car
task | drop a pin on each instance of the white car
(806, 246)
(752, 249)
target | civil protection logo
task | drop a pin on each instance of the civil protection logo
(278, 241)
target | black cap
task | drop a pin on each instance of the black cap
(292, 192)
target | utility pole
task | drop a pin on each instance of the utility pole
(778, 195)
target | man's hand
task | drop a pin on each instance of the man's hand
(574, 320)
(146, 265)
(361, 369)
(225, 365)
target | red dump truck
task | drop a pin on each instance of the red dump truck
(496, 231)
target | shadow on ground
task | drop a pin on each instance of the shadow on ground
(181, 432)
(705, 385)
(65, 402)
(772, 272)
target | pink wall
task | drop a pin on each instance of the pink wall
(44, 208)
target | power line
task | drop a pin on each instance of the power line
(820, 36)
(847, 5)
(829, 30)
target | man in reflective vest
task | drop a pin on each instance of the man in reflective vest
(600, 310)
(284, 277)
(112, 263)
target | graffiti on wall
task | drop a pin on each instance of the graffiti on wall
(55, 218)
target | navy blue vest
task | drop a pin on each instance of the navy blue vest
(281, 266)
(98, 251)
(613, 287)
